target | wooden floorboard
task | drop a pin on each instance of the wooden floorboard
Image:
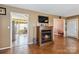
(61, 45)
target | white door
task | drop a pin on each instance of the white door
(72, 28)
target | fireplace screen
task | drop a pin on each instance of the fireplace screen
(46, 36)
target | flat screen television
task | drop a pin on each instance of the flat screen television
(43, 19)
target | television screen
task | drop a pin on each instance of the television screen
(43, 19)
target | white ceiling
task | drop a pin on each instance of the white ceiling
(54, 9)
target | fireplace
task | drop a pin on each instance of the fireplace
(46, 36)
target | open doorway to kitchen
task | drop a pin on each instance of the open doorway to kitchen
(19, 29)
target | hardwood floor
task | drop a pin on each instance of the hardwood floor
(60, 46)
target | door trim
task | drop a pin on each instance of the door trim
(76, 29)
(11, 28)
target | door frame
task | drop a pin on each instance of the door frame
(11, 19)
(64, 27)
(76, 29)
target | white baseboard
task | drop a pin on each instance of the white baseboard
(11, 46)
(4, 48)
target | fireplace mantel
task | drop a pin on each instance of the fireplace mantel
(44, 35)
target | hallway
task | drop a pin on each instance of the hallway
(60, 46)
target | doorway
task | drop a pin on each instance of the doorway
(72, 27)
(19, 29)
(58, 27)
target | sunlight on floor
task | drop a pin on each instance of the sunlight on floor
(21, 39)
